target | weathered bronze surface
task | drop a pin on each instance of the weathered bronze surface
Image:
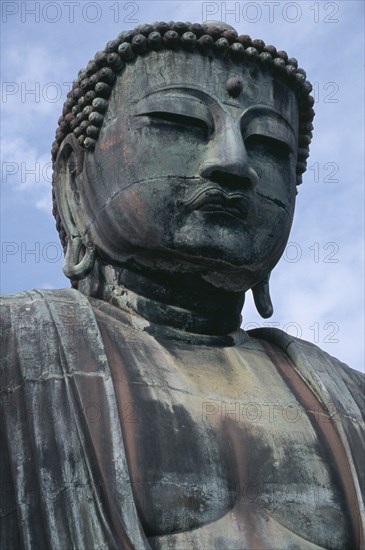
(137, 414)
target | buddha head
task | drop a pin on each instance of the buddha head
(179, 150)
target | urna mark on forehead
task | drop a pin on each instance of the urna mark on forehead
(185, 74)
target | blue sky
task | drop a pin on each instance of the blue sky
(317, 288)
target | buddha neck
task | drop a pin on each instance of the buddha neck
(179, 301)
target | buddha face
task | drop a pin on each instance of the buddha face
(189, 173)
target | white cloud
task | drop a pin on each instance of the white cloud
(26, 170)
(33, 89)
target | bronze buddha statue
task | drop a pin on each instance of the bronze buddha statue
(137, 412)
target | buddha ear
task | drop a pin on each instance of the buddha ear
(262, 299)
(80, 252)
(68, 166)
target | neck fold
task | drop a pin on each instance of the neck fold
(180, 301)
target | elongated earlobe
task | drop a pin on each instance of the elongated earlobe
(75, 268)
(261, 296)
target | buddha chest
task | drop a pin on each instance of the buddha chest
(220, 451)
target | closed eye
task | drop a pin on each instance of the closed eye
(177, 118)
(267, 143)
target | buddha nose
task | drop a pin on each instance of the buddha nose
(227, 160)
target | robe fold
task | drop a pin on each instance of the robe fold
(67, 484)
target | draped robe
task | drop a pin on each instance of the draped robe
(65, 477)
